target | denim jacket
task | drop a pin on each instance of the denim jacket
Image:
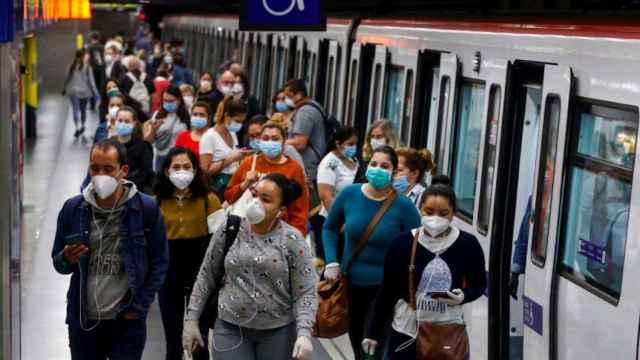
(145, 254)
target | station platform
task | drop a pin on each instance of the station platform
(55, 165)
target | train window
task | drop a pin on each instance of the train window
(468, 129)
(336, 90)
(407, 108)
(596, 215)
(443, 108)
(330, 81)
(376, 93)
(489, 163)
(353, 87)
(393, 96)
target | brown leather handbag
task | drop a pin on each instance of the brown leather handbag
(436, 341)
(332, 317)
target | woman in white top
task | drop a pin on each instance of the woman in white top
(220, 154)
(336, 171)
(170, 120)
(414, 166)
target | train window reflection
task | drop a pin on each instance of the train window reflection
(443, 109)
(328, 93)
(407, 108)
(598, 198)
(393, 96)
(489, 164)
(337, 83)
(353, 86)
(468, 129)
(376, 92)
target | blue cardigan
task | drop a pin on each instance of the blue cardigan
(354, 210)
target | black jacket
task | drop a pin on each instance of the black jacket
(140, 161)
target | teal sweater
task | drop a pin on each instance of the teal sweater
(354, 210)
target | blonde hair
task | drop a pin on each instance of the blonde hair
(420, 160)
(231, 107)
(389, 134)
(276, 122)
(187, 87)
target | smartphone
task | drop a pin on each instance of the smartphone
(438, 295)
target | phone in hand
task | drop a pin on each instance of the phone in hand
(438, 295)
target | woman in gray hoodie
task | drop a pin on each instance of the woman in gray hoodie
(80, 85)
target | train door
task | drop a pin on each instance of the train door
(377, 85)
(399, 91)
(439, 131)
(594, 314)
(426, 96)
(539, 276)
(332, 77)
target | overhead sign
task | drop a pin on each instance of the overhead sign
(283, 15)
(7, 22)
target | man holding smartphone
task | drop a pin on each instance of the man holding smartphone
(112, 241)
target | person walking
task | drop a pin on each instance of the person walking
(274, 320)
(139, 152)
(80, 86)
(200, 123)
(354, 208)
(413, 168)
(185, 202)
(429, 274)
(112, 241)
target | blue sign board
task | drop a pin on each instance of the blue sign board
(532, 315)
(283, 15)
(6, 21)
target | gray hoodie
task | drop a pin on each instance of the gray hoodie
(107, 282)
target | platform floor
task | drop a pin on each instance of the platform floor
(55, 165)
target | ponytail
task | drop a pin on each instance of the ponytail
(229, 106)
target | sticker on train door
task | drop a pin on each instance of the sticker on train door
(532, 315)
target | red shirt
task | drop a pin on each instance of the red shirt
(184, 140)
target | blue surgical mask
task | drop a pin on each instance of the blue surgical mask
(113, 92)
(349, 151)
(234, 127)
(124, 129)
(198, 122)
(379, 178)
(401, 184)
(255, 144)
(170, 106)
(271, 149)
(282, 106)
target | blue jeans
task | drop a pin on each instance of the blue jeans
(79, 107)
(117, 339)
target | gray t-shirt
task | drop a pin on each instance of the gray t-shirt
(107, 283)
(308, 121)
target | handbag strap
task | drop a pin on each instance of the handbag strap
(253, 162)
(412, 271)
(365, 236)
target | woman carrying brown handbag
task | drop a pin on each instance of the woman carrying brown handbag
(429, 274)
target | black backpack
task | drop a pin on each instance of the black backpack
(330, 122)
(210, 312)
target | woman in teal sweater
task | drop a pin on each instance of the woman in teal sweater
(354, 208)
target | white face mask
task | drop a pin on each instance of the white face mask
(255, 212)
(435, 225)
(377, 143)
(237, 89)
(113, 111)
(226, 90)
(104, 185)
(188, 101)
(289, 101)
(181, 178)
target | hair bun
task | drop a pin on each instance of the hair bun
(440, 179)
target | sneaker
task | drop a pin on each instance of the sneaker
(77, 133)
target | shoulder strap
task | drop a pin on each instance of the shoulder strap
(131, 77)
(317, 107)
(365, 236)
(253, 162)
(150, 211)
(412, 271)
(231, 232)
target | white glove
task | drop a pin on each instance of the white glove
(454, 297)
(332, 271)
(303, 348)
(369, 346)
(191, 336)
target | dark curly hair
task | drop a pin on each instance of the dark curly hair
(290, 189)
(164, 188)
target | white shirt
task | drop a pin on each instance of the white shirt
(212, 143)
(332, 171)
(415, 194)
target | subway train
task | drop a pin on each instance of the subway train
(536, 123)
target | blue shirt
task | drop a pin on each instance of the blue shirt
(354, 210)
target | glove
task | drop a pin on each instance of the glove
(191, 337)
(454, 297)
(332, 271)
(513, 285)
(369, 346)
(303, 348)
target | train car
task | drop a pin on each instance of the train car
(536, 123)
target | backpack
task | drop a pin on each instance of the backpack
(210, 312)
(330, 122)
(139, 91)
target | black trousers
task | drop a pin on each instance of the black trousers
(361, 301)
(185, 258)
